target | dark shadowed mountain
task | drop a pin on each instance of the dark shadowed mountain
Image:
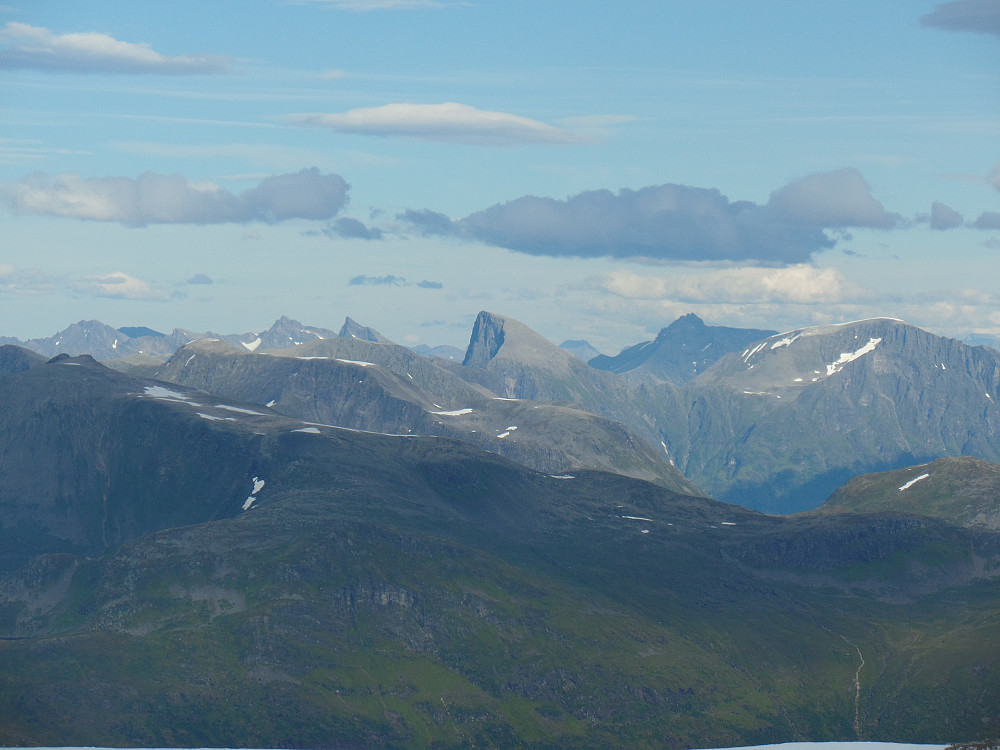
(190, 571)
(390, 389)
(680, 351)
(783, 423)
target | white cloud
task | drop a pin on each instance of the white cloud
(90, 52)
(797, 284)
(840, 198)
(120, 285)
(448, 122)
(173, 199)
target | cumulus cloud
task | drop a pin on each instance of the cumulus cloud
(944, 217)
(429, 223)
(448, 122)
(352, 229)
(172, 199)
(798, 284)
(674, 222)
(38, 48)
(665, 222)
(120, 285)
(979, 16)
(987, 220)
(840, 198)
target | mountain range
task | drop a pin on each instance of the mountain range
(188, 569)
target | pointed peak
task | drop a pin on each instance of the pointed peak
(487, 338)
(354, 330)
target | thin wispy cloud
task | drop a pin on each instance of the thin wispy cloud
(120, 285)
(978, 16)
(448, 122)
(35, 47)
(172, 199)
(392, 280)
(362, 6)
(798, 284)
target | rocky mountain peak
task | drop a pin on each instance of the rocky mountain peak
(352, 329)
(487, 338)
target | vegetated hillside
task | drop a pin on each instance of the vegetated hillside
(784, 423)
(963, 491)
(350, 382)
(680, 351)
(326, 587)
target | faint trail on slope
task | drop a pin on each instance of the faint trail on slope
(857, 689)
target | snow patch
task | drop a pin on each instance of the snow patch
(309, 430)
(252, 346)
(165, 394)
(846, 357)
(214, 418)
(454, 413)
(238, 410)
(189, 359)
(750, 352)
(270, 403)
(561, 476)
(312, 358)
(258, 485)
(787, 341)
(355, 362)
(638, 518)
(503, 435)
(913, 482)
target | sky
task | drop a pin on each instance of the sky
(592, 169)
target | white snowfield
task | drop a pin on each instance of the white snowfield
(454, 413)
(165, 394)
(238, 410)
(258, 485)
(252, 346)
(913, 482)
(846, 357)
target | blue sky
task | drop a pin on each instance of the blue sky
(592, 169)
